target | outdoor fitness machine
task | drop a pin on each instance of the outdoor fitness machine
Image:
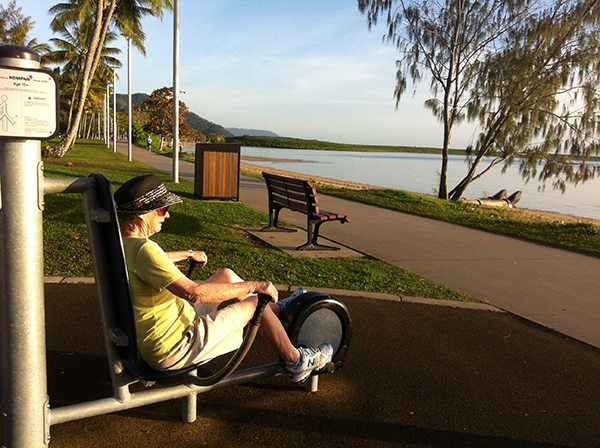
(29, 114)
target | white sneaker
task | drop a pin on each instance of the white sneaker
(285, 302)
(313, 358)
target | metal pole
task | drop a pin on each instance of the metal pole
(24, 406)
(103, 119)
(176, 91)
(115, 130)
(106, 108)
(129, 148)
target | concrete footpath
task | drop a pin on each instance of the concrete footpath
(552, 287)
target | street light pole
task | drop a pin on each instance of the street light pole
(176, 91)
(115, 130)
(106, 109)
(129, 148)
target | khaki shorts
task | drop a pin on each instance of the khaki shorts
(213, 333)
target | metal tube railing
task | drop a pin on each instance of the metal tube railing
(151, 396)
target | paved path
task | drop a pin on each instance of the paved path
(552, 287)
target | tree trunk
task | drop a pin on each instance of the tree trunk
(443, 190)
(483, 148)
(91, 62)
(74, 98)
(460, 188)
(79, 129)
(449, 112)
(90, 125)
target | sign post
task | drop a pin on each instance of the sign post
(28, 114)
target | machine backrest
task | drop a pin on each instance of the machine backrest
(112, 281)
(110, 269)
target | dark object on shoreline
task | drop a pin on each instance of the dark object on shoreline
(500, 199)
(502, 194)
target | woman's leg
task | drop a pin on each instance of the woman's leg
(225, 275)
(270, 328)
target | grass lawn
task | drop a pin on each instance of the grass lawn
(583, 237)
(214, 227)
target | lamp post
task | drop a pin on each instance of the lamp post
(115, 130)
(129, 136)
(106, 109)
(176, 91)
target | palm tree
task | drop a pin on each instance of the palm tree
(126, 15)
(70, 53)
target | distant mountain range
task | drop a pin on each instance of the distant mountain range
(238, 132)
(194, 121)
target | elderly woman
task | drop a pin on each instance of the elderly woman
(178, 323)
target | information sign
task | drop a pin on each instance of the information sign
(28, 103)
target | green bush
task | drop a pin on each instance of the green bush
(138, 135)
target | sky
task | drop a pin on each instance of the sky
(307, 69)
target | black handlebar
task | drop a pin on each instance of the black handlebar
(263, 301)
(194, 265)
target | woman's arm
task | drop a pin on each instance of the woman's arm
(181, 255)
(219, 292)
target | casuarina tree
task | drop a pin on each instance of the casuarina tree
(523, 70)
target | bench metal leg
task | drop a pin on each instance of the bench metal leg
(313, 236)
(274, 223)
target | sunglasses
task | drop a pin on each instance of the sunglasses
(162, 211)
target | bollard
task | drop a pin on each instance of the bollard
(24, 404)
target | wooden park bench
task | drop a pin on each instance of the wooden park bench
(299, 196)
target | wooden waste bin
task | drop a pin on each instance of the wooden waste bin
(217, 171)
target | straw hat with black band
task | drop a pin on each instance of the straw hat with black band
(141, 195)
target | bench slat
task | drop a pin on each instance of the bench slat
(295, 205)
(287, 180)
(303, 192)
(299, 196)
(327, 216)
(278, 183)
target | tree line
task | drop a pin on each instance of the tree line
(297, 143)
